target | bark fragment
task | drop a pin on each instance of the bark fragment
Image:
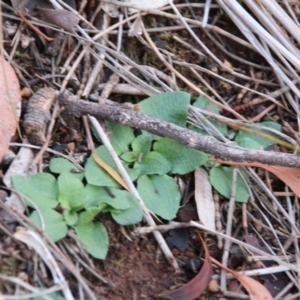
(38, 115)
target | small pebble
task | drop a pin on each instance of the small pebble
(214, 286)
(26, 92)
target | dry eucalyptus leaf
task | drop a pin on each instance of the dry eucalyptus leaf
(145, 4)
(19, 166)
(9, 28)
(26, 6)
(136, 27)
(60, 17)
(204, 199)
(10, 96)
(110, 9)
(195, 287)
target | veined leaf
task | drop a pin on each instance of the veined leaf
(181, 158)
(160, 194)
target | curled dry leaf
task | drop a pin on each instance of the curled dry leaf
(194, 288)
(110, 9)
(290, 176)
(145, 4)
(26, 6)
(255, 289)
(136, 27)
(60, 17)
(204, 199)
(10, 96)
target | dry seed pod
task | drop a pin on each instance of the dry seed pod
(38, 115)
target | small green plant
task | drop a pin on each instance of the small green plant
(74, 199)
(220, 176)
(77, 204)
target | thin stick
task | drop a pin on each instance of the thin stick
(33, 27)
(228, 230)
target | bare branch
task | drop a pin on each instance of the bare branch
(123, 115)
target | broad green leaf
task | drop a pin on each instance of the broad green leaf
(203, 103)
(248, 142)
(55, 225)
(112, 172)
(89, 215)
(70, 217)
(170, 106)
(181, 158)
(153, 163)
(96, 175)
(115, 198)
(41, 189)
(221, 179)
(253, 141)
(121, 138)
(93, 236)
(129, 157)
(160, 194)
(132, 215)
(141, 145)
(71, 192)
(133, 173)
(59, 165)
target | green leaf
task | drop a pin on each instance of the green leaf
(55, 225)
(70, 217)
(96, 175)
(253, 141)
(93, 236)
(154, 163)
(89, 215)
(181, 159)
(129, 157)
(53, 296)
(40, 188)
(95, 195)
(71, 192)
(170, 106)
(141, 145)
(203, 103)
(121, 138)
(59, 165)
(221, 179)
(132, 215)
(160, 194)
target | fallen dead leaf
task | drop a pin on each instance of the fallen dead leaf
(255, 289)
(60, 17)
(144, 4)
(194, 288)
(10, 96)
(204, 199)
